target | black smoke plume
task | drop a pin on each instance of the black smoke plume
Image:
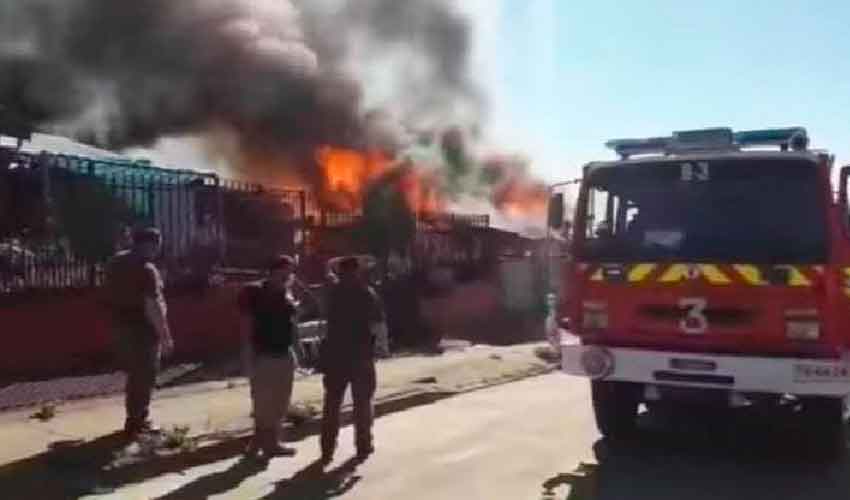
(283, 75)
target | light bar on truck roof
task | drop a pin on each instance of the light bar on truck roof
(629, 147)
(708, 138)
(712, 139)
(794, 137)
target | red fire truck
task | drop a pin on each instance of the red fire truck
(710, 266)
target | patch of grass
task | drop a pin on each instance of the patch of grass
(546, 353)
(45, 413)
(301, 413)
(177, 438)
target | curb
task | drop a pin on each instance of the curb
(79, 467)
(390, 403)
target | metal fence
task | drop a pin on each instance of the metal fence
(452, 221)
(260, 223)
(63, 216)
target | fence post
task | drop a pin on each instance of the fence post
(219, 220)
(90, 178)
(302, 222)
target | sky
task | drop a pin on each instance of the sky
(565, 76)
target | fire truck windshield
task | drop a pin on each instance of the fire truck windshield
(768, 210)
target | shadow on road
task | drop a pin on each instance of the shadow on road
(73, 469)
(76, 468)
(217, 483)
(718, 456)
(316, 484)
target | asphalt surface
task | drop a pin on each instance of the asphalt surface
(24, 394)
(533, 439)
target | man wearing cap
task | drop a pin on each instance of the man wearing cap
(134, 294)
(347, 357)
(268, 331)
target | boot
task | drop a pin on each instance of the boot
(272, 447)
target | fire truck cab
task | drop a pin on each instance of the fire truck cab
(710, 266)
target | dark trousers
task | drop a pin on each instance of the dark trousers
(138, 353)
(361, 377)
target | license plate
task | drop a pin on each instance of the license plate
(804, 372)
(697, 365)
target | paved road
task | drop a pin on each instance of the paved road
(529, 440)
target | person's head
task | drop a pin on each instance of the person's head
(147, 242)
(282, 270)
(349, 269)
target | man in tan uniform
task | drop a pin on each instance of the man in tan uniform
(134, 293)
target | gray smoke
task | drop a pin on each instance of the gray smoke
(284, 75)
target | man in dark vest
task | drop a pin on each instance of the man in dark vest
(134, 294)
(268, 332)
(347, 357)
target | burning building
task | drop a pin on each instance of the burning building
(345, 122)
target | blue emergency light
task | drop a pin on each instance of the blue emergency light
(794, 137)
(709, 138)
(629, 147)
(712, 139)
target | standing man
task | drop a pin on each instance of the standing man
(135, 297)
(268, 331)
(348, 357)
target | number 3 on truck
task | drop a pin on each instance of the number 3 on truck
(694, 322)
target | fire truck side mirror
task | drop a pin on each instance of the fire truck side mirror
(556, 211)
(842, 187)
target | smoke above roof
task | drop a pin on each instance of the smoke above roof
(279, 73)
(265, 83)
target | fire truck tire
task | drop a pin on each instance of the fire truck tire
(825, 418)
(615, 405)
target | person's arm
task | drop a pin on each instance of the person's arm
(378, 325)
(156, 310)
(376, 308)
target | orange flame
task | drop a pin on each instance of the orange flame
(513, 191)
(421, 191)
(348, 173)
(521, 199)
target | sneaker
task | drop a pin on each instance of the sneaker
(149, 428)
(134, 430)
(252, 450)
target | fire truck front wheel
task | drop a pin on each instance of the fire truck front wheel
(616, 407)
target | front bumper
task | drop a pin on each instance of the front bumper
(743, 374)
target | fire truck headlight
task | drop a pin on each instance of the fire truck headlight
(802, 329)
(597, 362)
(594, 316)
